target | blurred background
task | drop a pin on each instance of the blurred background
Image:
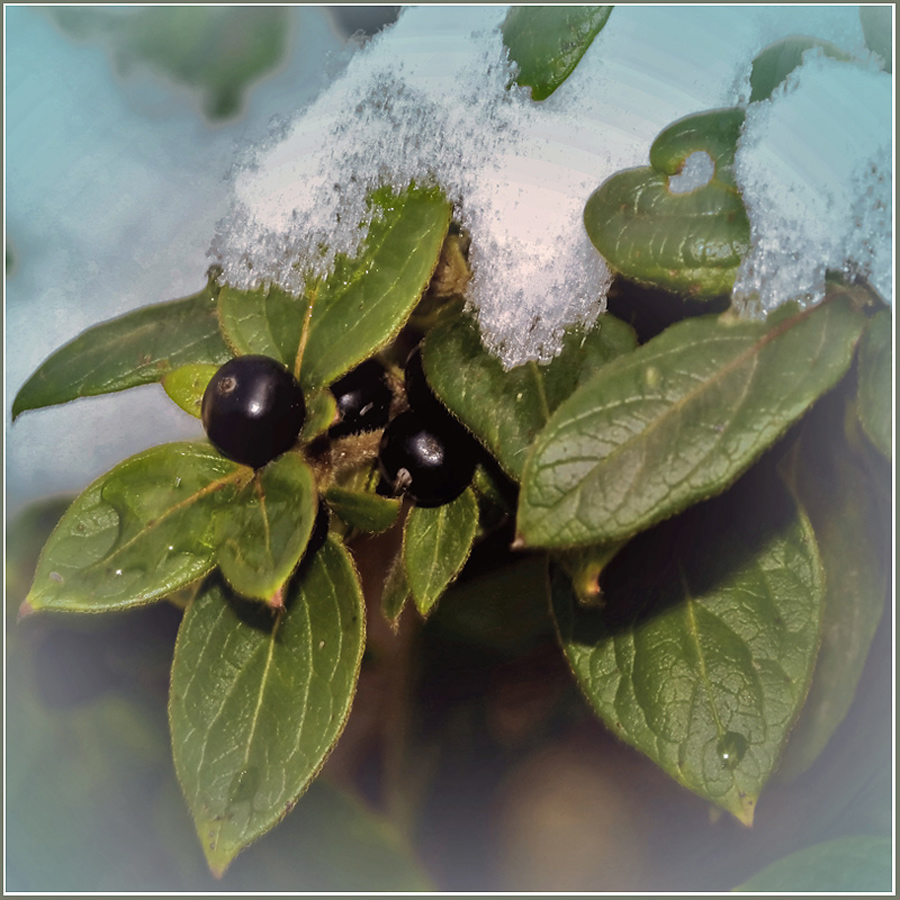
(122, 127)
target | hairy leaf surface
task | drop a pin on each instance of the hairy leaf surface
(365, 510)
(360, 307)
(690, 242)
(395, 591)
(547, 42)
(258, 699)
(139, 532)
(263, 532)
(140, 347)
(875, 381)
(678, 420)
(505, 410)
(703, 651)
(436, 544)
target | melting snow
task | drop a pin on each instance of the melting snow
(427, 100)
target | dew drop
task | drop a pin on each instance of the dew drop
(731, 748)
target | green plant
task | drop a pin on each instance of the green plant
(708, 541)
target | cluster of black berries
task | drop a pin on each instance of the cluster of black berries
(253, 410)
(425, 453)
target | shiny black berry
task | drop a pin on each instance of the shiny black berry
(253, 410)
(363, 399)
(429, 459)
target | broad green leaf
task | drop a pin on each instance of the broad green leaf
(778, 60)
(395, 592)
(547, 42)
(258, 699)
(861, 864)
(360, 307)
(852, 527)
(140, 531)
(365, 510)
(267, 321)
(878, 31)
(321, 409)
(689, 242)
(875, 381)
(139, 347)
(505, 410)
(263, 532)
(187, 385)
(436, 544)
(702, 654)
(678, 420)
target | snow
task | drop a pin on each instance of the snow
(427, 100)
(818, 194)
(115, 189)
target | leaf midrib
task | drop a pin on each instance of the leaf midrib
(681, 403)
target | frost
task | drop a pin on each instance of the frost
(814, 165)
(427, 100)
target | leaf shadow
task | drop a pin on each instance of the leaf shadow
(692, 554)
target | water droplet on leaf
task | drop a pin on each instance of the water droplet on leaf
(731, 748)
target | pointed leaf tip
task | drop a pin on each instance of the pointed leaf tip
(25, 610)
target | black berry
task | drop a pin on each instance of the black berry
(363, 399)
(253, 410)
(429, 459)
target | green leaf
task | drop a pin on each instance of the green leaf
(703, 652)
(263, 532)
(436, 544)
(851, 521)
(186, 386)
(778, 60)
(360, 307)
(395, 592)
(859, 864)
(26, 534)
(365, 510)
(505, 410)
(140, 347)
(690, 242)
(139, 532)
(258, 699)
(547, 42)
(875, 381)
(678, 420)
(321, 409)
(878, 31)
